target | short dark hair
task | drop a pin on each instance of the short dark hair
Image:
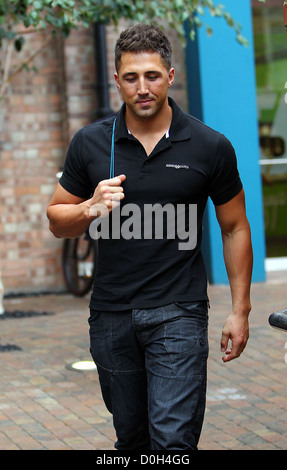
(141, 38)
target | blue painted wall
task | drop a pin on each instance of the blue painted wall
(222, 93)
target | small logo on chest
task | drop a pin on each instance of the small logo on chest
(177, 166)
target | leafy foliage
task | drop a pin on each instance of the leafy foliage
(64, 15)
(19, 17)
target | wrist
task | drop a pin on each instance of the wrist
(90, 210)
(241, 309)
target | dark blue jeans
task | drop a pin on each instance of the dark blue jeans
(152, 371)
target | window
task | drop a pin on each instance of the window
(270, 44)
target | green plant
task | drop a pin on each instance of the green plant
(66, 14)
(21, 17)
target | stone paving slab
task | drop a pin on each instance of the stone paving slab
(46, 405)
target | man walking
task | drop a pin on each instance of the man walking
(149, 306)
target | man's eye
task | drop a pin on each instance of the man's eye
(152, 77)
(130, 80)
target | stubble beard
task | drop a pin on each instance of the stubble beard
(147, 112)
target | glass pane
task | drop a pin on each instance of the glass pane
(271, 73)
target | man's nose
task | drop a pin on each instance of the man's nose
(142, 87)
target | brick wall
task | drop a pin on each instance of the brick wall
(41, 112)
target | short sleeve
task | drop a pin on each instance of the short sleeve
(74, 177)
(224, 179)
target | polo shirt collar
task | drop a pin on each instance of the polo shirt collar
(179, 129)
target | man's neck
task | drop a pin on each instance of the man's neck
(149, 131)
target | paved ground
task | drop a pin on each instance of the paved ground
(45, 405)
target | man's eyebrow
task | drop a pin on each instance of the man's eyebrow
(156, 72)
(127, 74)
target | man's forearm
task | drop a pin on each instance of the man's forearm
(68, 220)
(70, 216)
(239, 262)
(238, 259)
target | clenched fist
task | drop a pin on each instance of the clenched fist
(107, 196)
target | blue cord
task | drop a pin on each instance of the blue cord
(112, 164)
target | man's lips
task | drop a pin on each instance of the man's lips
(144, 102)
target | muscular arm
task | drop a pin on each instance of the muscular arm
(70, 216)
(238, 258)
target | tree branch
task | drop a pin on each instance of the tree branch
(8, 78)
(6, 69)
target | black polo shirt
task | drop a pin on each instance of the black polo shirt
(187, 166)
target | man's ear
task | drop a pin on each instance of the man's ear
(117, 81)
(171, 77)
